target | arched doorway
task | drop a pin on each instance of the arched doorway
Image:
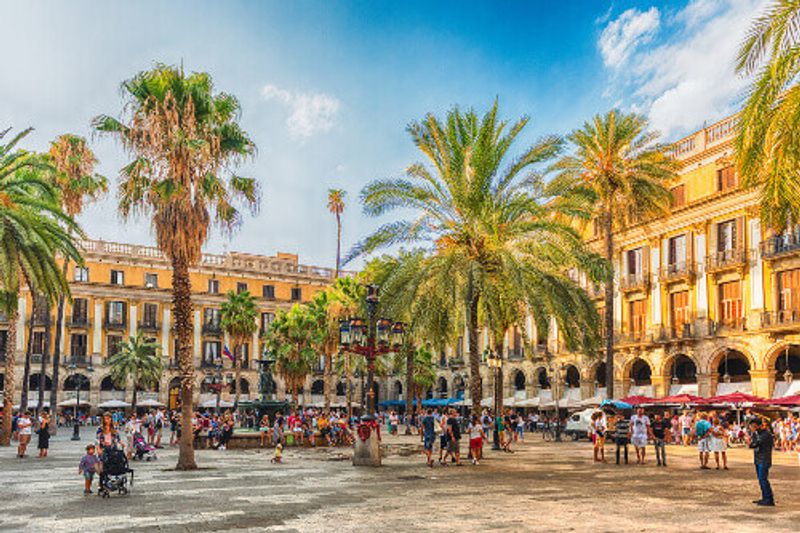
(733, 373)
(519, 381)
(74, 381)
(318, 387)
(35, 379)
(441, 387)
(640, 379)
(174, 395)
(398, 390)
(572, 377)
(600, 377)
(787, 372)
(542, 379)
(682, 375)
(459, 386)
(341, 389)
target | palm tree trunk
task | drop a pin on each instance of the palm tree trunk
(338, 243)
(474, 356)
(326, 379)
(349, 387)
(8, 383)
(57, 348)
(26, 370)
(609, 306)
(409, 383)
(45, 355)
(237, 351)
(498, 381)
(182, 305)
(133, 400)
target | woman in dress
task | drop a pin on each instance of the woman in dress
(107, 435)
(599, 431)
(718, 443)
(44, 433)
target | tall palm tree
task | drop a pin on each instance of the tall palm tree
(74, 175)
(239, 315)
(623, 174)
(291, 339)
(32, 233)
(336, 206)
(768, 139)
(138, 360)
(183, 139)
(481, 220)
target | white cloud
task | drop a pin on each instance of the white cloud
(625, 34)
(309, 113)
(687, 76)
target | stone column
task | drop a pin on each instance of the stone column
(97, 327)
(587, 384)
(706, 384)
(22, 305)
(762, 382)
(198, 338)
(255, 353)
(756, 275)
(660, 385)
(166, 345)
(133, 317)
(655, 289)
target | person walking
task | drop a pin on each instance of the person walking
(761, 442)
(428, 424)
(43, 442)
(718, 442)
(476, 438)
(454, 436)
(660, 429)
(686, 428)
(599, 432)
(622, 435)
(640, 430)
(701, 431)
(24, 430)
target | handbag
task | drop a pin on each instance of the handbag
(437, 427)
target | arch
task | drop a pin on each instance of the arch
(572, 377)
(459, 386)
(735, 365)
(398, 389)
(341, 389)
(789, 359)
(681, 369)
(718, 356)
(73, 381)
(519, 380)
(600, 374)
(206, 385)
(640, 372)
(318, 387)
(441, 387)
(174, 394)
(542, 379)
(244, 386)
(108, 384)
(33, 382)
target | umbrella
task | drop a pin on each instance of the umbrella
(734, 398)
(530, 402)
(616, 404)
(113, 404)
(789, 401)
(71, 403)
(637, 400)
(213, 403)
(32, 405)
(679, 399)
(152, 403)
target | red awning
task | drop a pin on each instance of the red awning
(637, 400)
(786, 400)
(679, 399)
(734, 398)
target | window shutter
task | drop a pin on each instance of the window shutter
(689, 248)
(645, 269)
(739, 236)
(712, 239)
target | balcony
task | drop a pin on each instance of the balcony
(80, 361)
(781, 246)
(36, 359)
(720, 327)
(150, 326)
(78, 322)
(639, 281)
(632, 337)
(686, 331)
(114, 324)
(786, 319)
(207, 363)
(678, 271)
(727, 260)
(516, 354)
(212, 328)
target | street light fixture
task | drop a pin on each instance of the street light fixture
(495, 362)
(76, 429)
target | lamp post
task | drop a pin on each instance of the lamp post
(76, 429)
(557, 371)
(495, 362)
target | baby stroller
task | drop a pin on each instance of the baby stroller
(142, 450)
(114, 474)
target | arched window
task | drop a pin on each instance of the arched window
(542, 379)
(682, 370)
(640, 373)
(733, 367)
(600, 375)
(519, 381)
(33, 382)
(341, 389)
(108, 385)
(75, 380)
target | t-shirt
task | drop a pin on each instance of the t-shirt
(475, 431)
(455, 428)
(686, 422)
(660, 427)
(622, 428)
(702, 427)
(640, 424)
(428, 426)
(24, 425)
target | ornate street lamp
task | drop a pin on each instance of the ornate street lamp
(495, 362)
(726, 377)
(788, 376)
(76, 429)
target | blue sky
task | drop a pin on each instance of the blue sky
(327, 87)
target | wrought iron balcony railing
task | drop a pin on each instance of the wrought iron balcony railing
(727, 259)
(635, 282)
(680, 270)
(781, 245)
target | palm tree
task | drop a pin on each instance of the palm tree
(620, 171)
(32, 234)
(768, 139)
(183, 139)
(239, 316)
(336, 206)
(74, 175)
(291, 339)
(481, 220)
(139, 360)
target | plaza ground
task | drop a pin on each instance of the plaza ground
(543, 486)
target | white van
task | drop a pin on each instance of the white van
(579, 424)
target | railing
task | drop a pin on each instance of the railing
(36, 358)
(149, 326)
(681, 332)
(678, 270)
(106, 395)
(516, 353)
(725, 259)
(637, 281)
(78, 322)
(718, 327)
(632, 337)
(78, 360)
(114, 324)
(205, 363)
(705, 138)
(210, 328)
(780, 245)
(787, 317)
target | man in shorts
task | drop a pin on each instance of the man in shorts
(622, 433)
(454, 436)
(660, 429)
(702, 432)
(686, 427)
(24, 429)
(428, 435)
(640, 430)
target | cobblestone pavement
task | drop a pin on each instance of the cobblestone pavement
(543, 486)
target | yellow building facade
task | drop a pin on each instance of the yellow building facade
(124, 289)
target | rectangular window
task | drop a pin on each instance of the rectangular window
(597, 227)
(211, 317)
(676, 251)
(638, 310)
(241, 287)
(679, 310)
(117, 277)
(80, 311)
(211, 352)
(116, 313)
(268, 292)
(460, 347)
(213, 286)
(730, 303)
(678, 196)
(244, 353)
(151, 281)
(113, 343)
(296, 294)
(41, 311)
(81, 274)
(726, 236)
(266, 320)
(150, 314)
(727, 179)
(38, 343)
(77, 345)
(3, 341)
(788, 294)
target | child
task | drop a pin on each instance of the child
(278, 454)
(87, 467)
